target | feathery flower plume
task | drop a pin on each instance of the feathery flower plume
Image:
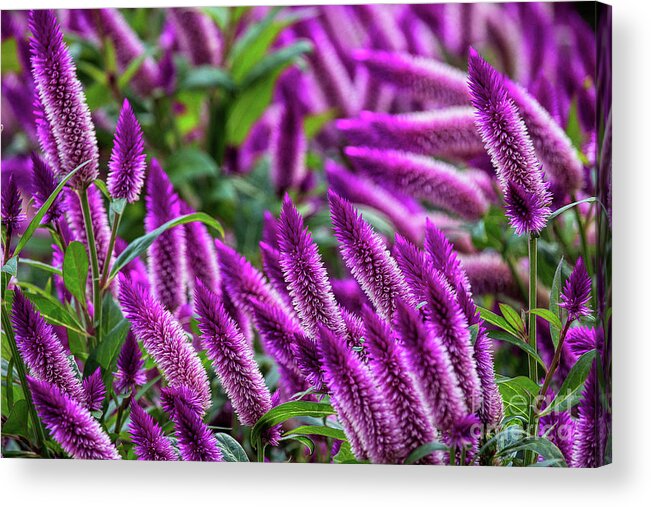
(444, 314)
(62, 98)
(41, 349)
(288, 148)
(127, 165)
(309, 360)
(365, 254)
(167, 269)
(201, 256)
(382, 26)
(45, 136)
(232, 358)
(575, 297)
(357, 399)
(270, 258)
(136, 271)
(507, 142)
(70, 423)
(389, 366)
(12, 204)
(197, 35)
(43, 184)
(560, 430)
(164, 339)
(446, 133)
(196, 441)
(269, 229)
(464, 434)
(94, 391)
(422, 78)
(444, 258)
(130, 373)
(430, 364)
(305, 274)
(150, 444)
(441, 184)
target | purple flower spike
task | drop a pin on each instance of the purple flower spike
(45, 136)
(288, 148)
(164, 340)
(167, 269)
(232, 358)
(130, 373)
(575, 297)
(429, 362)
(41, 349)
(201, 256)
(127, 165)
(444, 315)
(422, 78)
(507, 142)
(150, 444)
(270, 257)
(63, 100)
(198, 36)
(365, 254)
(390, 369)
(306, 275)
(43, 184)
(357, 399)
(196, 441)
(444, 258)
(441, 184)
(12, 204)
(70, 423)
(94, 390)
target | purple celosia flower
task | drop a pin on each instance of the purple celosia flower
(41, 349)
(45, 136)
(306, 275)
(62, 98)
(441, 184)
(232, 358)
(288, 148)
(43, 184)
(362, 409)
(196, 441)
(201, 256)
(423, 78)
(575, 297)
(444, 315)
(367, 257)
(381, 24)
(94, 390)
(308, 359)
(164, 339)
(560, 430)
(70, 423)
(136, 271)
(447, 133)
(130, 373)
(12, 204)
(388, 363)
(198, 36)
(127, 165)
(489, 274)
(167, 269)
(465, 433)
(270, 258)
(149, 442)
(430, 364)
(507, 142)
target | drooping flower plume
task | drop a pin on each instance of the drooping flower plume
(149, 442)
(130, 373)
(575, 297)
(94, 390)
(43, 184)
(12, 204)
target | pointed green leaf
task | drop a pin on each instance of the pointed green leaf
(570, 392)
(549, 317)
(75, 270)
(231, 449)
(425, 450)
(505, 337)
(498, 321)
(512, 317)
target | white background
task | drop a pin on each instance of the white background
(626, 482)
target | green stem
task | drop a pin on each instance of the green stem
(260, 452)
(530, 456)
(22, 375)
(109, 252)
(582, 234)
(94, 263)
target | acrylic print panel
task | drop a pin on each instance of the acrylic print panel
(327, 234)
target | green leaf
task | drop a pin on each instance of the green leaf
(11, 266)
(189, 163)
(570, 392)
(53, 311)
(36, 221)
(231, 449)
(554, 297)
(10, 60)
(314, 123)
(324, 431)
(517, 394)
(276, 61)
(512, 317)
(17, 423)
(139, 245)
(207, 77)
(548, 463)
(562, 210)
(134, 66)
(496, 320)
(425, 450)
(75, 270)
(286, 411)
(549, 317)
(573, 129)
(539, 445)
(505, 337)
(40, 265)
(345, 455)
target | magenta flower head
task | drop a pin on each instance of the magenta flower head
(367, 257)
(149, 442)
(41, 349)
(12, 204)
(164, 340)
(94, 390)
(127, 165)
(197, 35)
(270, 258)
(201, 256)
(130, 373)
(232, 358)
(305, 274)
(507, 142)
(63, 100)
(575, 297)
(288, 148)
(43, 184)
(167, 268)
(361, 406)
(70, 423)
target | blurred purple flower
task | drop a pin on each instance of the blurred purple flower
(12, 205)
(201, 256)
(43, 184)
(198, 35)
